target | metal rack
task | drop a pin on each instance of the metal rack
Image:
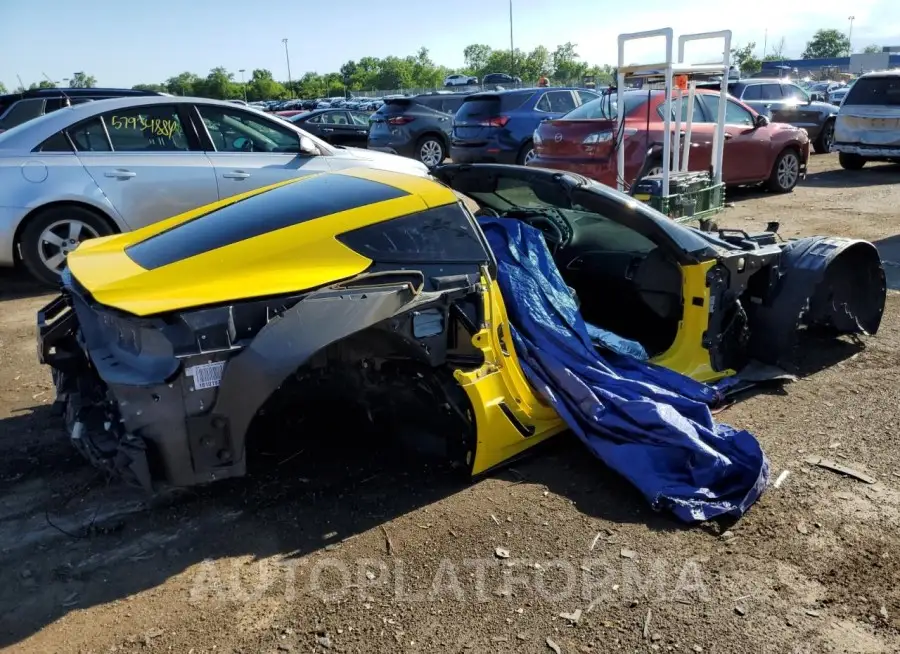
(667, 71)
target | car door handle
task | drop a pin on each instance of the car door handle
(120, 174)
(728, 136)
(327, 129)
(236, 174)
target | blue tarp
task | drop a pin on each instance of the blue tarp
(650, 424)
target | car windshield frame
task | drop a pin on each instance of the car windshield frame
(606, 106)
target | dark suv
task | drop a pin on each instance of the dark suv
(785, 102)
(17, 108)
(498, 127)
(416, 127)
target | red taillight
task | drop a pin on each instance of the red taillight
(399, 120)
(498, 121)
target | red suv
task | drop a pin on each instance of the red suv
(756, 150)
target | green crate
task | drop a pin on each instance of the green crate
(695, 203)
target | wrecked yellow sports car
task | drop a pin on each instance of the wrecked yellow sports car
(168, 341)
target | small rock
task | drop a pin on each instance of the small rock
(633, 603)
(154, 633)
(697, 648)
(285, 647)
(370, 575)
(726, 535)
(501, 553)
(324, 641)
(655, 637)
(521, 636)
(883, 611)
(573, 617)
(873, 619)
(499, 639)
(553, 645)
(520, 611)
(628, 554)
(813, 614)
(740, 610)
(802, 528)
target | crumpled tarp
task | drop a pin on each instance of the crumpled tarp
(650, 424)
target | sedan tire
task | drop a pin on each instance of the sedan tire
(851, 161)
(823, 143)
(785, 172)
(430, 151)
(50, 235)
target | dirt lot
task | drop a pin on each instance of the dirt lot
(339, 549)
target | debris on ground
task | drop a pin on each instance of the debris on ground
(552, 645)
(628, 554)
(501, 553)
(834, 466)
(647, 623)
(784, 475)
(573, 617)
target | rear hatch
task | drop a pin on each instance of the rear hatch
(390, 117)
(870, 113)
(587, 131)
(482, 115)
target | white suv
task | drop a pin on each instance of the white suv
(868, 124)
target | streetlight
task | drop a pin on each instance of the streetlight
(512, 52)
(243, 83)
(288, 59)
(850, 35)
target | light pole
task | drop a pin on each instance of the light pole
(512, 51)
(243, 83)
(288, 59)
(850, 36)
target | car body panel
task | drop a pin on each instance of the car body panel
(237, 172)
(336, 126)
(269, 264)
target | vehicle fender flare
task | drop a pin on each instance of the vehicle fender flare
(830, 283)
(289, 340)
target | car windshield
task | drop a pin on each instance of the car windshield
(875, 91)
(606, 107)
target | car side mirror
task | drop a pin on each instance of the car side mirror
(760, 121)
(307, 146)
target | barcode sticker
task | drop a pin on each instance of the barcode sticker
(207, 375)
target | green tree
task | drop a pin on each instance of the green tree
(872, 49)
(311, 85)
(183, 84)
(476, 57)
(825, 44)
(537, 62)
(2, 88)
(745, 59)
(82, 80)
(262, 86)
(149, 87)
(220, 84)
(566, 64)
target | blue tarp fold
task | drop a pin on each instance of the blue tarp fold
(650, 424)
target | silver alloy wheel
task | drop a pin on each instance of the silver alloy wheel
(656, 170)
(788, 170)
(431, 153)
(59, 239)
(529, 157)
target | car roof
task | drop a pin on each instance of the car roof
(881, 73)
(33, 132)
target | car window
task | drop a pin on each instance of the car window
(56, 143)
(792, 92)
(336, 118)
(90, 136)
(235, 130)
(23, 111)
(54, 104)
(872, 91)
(315, 120)
(145, 129)
(752, 92)
(770, 92)
(735, 114)
(433, 102)
(586, 96)
(556, 102)
(451, 105)
(359, 118)
(698, 116)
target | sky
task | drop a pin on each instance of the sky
(124, 43)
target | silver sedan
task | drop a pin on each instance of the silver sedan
(116, 165)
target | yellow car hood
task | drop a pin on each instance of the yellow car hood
(274, 240)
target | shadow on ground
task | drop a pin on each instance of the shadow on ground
(889, 249)
(871, 175)
(70, 539)
(16, 284)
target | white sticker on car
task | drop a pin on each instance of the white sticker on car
(206, 375)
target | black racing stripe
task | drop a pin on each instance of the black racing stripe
(322, 195)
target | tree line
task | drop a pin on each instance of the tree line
(563, 65)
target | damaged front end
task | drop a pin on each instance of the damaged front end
(773, 292)
(169, 399)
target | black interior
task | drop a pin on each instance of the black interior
(624, 282)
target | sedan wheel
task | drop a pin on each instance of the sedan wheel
(431, 152)
(530, 155)
(826, 138)
(59, 239)
(785, 172)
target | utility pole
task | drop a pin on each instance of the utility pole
(512, 51)
(765, 43)
(288, 59)
(243, 83)
(850, 36)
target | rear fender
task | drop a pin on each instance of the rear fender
(827, 283)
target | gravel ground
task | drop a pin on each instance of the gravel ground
(355, 552)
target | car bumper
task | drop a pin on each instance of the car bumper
(10, 219)
(874, 151)
(404, 149)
